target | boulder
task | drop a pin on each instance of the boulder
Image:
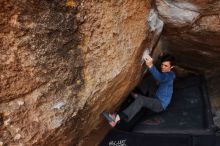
(62, 63)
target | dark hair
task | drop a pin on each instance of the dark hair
(168, 57)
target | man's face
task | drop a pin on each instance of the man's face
(166, 66)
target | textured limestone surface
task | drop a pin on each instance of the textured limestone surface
(174, 15)
(62, 63)
(40, 71)
(115, 36)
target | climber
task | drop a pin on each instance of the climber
(161, 98)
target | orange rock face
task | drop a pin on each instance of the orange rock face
(62, 63)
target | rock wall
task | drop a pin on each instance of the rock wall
(115, 36)
(41, 66)
(191, 34)
(62, 63)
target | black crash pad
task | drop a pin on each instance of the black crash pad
(189, 111)
(186, 122)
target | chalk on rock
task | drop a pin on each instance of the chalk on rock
(1, 143)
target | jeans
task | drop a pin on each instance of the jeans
(141, 101)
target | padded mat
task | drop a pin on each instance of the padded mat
(187, 111)
(186, 122)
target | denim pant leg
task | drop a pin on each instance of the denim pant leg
(142, 101)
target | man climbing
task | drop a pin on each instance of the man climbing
(161, 98)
